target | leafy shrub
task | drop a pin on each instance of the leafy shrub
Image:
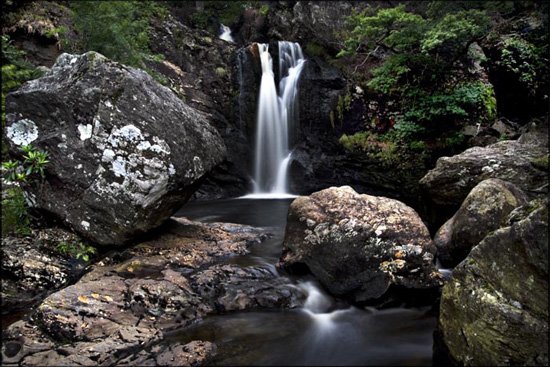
(17, 174)
(15, 216)
(77, 250)
(356, 142)
(32, 165)
(403, 131)
(523, 59)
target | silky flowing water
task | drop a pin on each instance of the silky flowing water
(325, 331)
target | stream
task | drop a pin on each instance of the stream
(325, 331)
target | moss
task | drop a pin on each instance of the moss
(264, 10)
(540, 162)
(314, 49)
(221, 72)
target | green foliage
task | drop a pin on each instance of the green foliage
(420, 70)
(314, 49)
(391, 28)
(462, 101)
(344, 104)
(454, 32)
(541, 162)
(455, 139)
(356, 142)
(403, 132)
(117, 29)
(220, 71)
(522, 58)
(77, 250)
(15, 71)
(227, 12)
(264, 10)
(417, 145)
(33, 164)
(15, 216)
(385, 151)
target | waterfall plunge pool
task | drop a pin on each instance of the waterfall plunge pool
(326, 331)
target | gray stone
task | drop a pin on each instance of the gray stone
(485, 209)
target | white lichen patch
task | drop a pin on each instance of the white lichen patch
(22, 132)
(140, 160)
(85, 131)
(85, 225)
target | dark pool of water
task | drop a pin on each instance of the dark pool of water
(316, 334)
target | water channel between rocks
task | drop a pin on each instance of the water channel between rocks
(326, 331)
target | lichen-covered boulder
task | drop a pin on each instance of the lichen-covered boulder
(125, 152)
(494, 310)
(485, 209)
(358, 245)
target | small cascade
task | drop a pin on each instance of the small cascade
(226, 33)
(318, 306)
(447, 273)
(277, 117)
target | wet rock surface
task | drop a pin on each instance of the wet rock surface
(32, 268)
(115, 169)
(358, 245)
(119, 311)
(485, 209)
(494, 310)
(213, 86)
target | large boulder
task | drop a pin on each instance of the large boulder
(125, 152)
(485, 209)
(523, 162)
(358, 245)
(494, 310)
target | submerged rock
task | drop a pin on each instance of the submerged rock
(125, 152)
(485, 209)
(494, 310)
(358, 245)
(119, 312)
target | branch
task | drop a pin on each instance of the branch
(366, 58)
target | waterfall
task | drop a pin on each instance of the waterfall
(226, 34)
(276, 119)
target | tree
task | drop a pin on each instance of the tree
(421, 69)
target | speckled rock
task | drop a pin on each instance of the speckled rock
(485, 209)
(358, 245)
(119, 312)
(32, 268)
(232, 288)
(494, 310)
(125, 152)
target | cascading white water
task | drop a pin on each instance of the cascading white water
(318, 306)
(276, 119)
(226, 33)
